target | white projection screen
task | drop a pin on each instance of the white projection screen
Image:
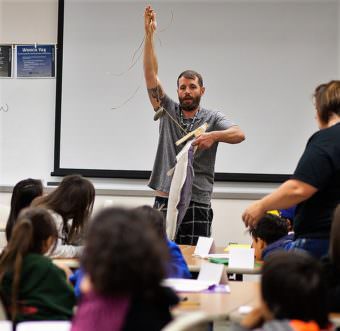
(260, 62)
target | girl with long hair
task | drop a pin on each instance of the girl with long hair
(70, 204)
(31, 286)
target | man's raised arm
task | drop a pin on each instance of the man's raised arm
(153, 85)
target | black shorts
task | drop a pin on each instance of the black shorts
(196, 222)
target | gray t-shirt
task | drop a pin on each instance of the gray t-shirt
(204, 160)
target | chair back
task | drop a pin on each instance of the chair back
(44, 326)
(6, 326)
(196, 321)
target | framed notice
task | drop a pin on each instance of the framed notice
(35, 61)
(5, 61)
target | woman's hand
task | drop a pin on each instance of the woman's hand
(253, 213)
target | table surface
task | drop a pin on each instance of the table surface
(194, 262)
(220, 305)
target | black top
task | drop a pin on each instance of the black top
(319, 166)
(152, 314)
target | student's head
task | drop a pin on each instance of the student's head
(190, 89)
(72, 199)
(327, 102)
(34, 232)
(334, 247)
(123, 255)
(293, 287)
(269, 229)
(23, 194)
(155, 218)
(288, 214)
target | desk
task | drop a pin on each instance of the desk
(71, 263)
(220, 305)
(194, 263)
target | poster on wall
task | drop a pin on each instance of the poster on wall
(5, 61)
(35, 61)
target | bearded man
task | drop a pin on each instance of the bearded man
(189, 116)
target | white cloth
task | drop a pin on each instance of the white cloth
(177, 182)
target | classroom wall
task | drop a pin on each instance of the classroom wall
(25, 150)
(227, 224)
(31, 151)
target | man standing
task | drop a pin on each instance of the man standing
(189, 115)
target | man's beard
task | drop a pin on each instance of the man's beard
(192, 106)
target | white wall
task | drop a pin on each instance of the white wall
(30, 21)
(227, 224)
(30, 101)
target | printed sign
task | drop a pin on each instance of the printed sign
(5, 61)
(37, 61)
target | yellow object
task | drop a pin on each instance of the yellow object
(273, 212)
(237, 246)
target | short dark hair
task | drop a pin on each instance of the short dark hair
(23, 194)
(123, 255)
(270, 228)
(191, 74)
(293, 287)
(327, 99)
(155, 218)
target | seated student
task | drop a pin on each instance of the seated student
(70, 204)
(270, 234)
(331, 264)
(23, 194)
(288, 214)
(293, 296)
(31, 286)
(177, 267)
(124, 264)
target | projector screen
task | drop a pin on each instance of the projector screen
(260, 63)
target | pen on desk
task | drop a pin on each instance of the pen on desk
(186, 303)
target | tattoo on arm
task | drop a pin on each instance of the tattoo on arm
(156, 93)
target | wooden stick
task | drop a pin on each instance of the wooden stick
(195, 133)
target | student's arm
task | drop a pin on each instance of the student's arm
(155, 90)
(288, 194)
(66, 251)
(232, 135)
(62, 250)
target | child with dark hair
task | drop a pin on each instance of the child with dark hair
(31, 286)
(23, 194)
(70, 204)
(293, 295)
(269, 235)
(124, 264)
(288, 214)
(177, 267)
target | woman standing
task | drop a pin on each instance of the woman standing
(315, 184)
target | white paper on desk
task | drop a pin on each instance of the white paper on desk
(204, 246)
(216, 256)
(242, 258)
(187, 285)
(211, 272)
